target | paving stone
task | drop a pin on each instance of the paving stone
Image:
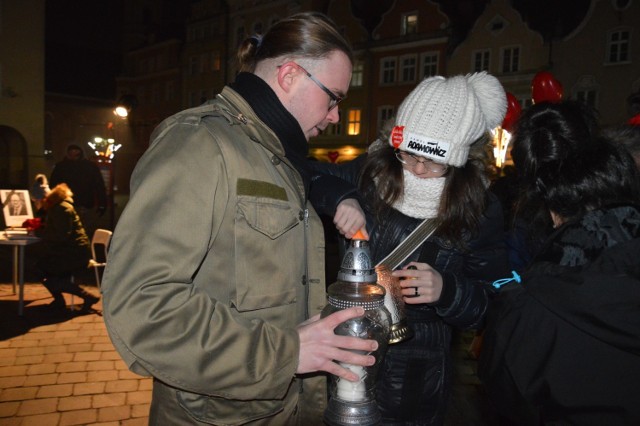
(8, 409)
(78, 417)
(18, 394)
(75, 403)
(54, 391)
(41, 379)
(38, 406)
(121, 412)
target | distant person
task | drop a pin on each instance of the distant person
(85, 180)
(39, 190)
(17, 205)
(65, 248)
(562, 346)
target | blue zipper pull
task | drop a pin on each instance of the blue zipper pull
(499, 283)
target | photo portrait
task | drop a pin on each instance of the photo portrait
(16, 206)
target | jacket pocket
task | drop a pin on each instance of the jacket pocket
(269, 250)
(222, 411)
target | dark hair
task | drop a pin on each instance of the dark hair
(463, 197)
(565, 163)
(307, 35)
(75, 147)
(627, 136)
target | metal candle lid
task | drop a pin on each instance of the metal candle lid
(356, 264)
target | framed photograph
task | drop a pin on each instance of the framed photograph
(16, 206)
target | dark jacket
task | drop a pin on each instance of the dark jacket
(564, 346)
(414, 382)
(85, 180)
(65, 245)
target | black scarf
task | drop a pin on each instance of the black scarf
(270, 110)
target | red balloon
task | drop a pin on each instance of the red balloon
(545, 88)
(513, 112)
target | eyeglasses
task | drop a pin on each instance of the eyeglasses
(412, 160)
(334, 99)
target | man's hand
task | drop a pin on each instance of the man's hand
(349, 218)
(321, 349)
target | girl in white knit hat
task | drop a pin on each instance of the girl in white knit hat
(431, 166)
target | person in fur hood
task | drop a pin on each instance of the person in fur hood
(562, 342)
(65, 247)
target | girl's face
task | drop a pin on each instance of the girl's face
(420, 166)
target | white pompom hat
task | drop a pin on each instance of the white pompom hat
(442, 117)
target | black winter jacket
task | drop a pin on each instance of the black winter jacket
(564, 346)
(414, 382)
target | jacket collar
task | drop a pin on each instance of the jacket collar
(252, 98)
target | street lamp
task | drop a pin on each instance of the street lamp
(125, 104)
(105, 150)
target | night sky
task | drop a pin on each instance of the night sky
(83, 37)
(82, 47)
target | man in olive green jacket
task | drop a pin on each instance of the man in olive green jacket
(217, 262)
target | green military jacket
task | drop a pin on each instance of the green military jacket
(214, 261)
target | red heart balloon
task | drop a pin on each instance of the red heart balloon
(513, 112)
(333, 156)
(545, 88)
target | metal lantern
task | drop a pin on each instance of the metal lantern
(400, 330)
(354, 403)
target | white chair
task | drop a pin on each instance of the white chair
(101, 237)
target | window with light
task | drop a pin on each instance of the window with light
(354, 120)
(410, 23)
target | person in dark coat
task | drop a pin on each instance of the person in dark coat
(562, 346)
(431, 165)
(84, 178)
(65, 248)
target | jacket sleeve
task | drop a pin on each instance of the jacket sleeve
(464, 298)
(333, 183)
(160, 322)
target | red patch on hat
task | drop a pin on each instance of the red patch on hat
(397, 136)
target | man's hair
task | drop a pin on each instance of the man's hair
(303, 35)
(74, 147)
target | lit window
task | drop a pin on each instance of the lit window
(357, 75)
(429, 64)
(618, 46)
(481, 60)
(353, 126)
(388, 71)
(410, 23)
(385, 113)
(510, 59)
(408, 69)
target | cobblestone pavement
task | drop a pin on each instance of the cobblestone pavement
(61, 369)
